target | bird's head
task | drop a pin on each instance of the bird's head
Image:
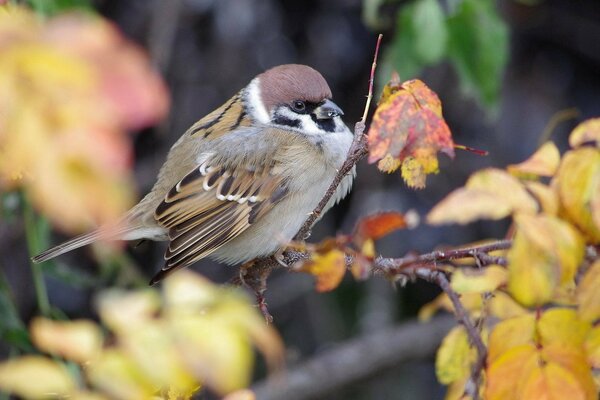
(295, 97)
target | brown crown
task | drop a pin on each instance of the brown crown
(286, 83)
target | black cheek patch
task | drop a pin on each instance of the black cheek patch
(285, 121)
(328, 125)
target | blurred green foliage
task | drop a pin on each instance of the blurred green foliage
(468, 33)
(51, 7)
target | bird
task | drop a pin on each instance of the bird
(241, 181)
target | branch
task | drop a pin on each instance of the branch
(357, 151)
(355, 360)
(408, 265)
(255, 274)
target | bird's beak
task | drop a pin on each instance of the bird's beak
(327, 110)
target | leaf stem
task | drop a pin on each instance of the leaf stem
(33, 234)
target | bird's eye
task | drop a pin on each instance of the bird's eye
(299, 106)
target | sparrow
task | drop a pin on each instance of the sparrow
(240, 182)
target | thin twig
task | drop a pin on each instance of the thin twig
(357, 151)
(371, 80)
(472, 387)
(406, 265)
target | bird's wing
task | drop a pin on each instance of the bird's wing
(212, 205)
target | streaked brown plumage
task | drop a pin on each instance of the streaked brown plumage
(240, 182)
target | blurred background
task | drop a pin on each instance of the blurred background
(510, 74)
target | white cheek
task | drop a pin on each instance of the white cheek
(255, 105)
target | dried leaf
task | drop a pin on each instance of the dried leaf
(408, 130)
(328, 268)
(79, 341)
(544, 162)
(381, 224)
(587, 132)
(35, 377)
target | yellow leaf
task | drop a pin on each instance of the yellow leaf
(488, 194)
(463, 206)
(545, 195)
(244, 394)
(471, 301)
(79, 341)
(152, 349)
(533, 274)
(586, 132)
(454, 357)
(503, 306)
(35, 377)
(578, 181)
(592, 346)
(388, 164)
(507, 188)
(544, 162)
(546, 252)
(588, 293)
(510, 333)
(551, 382)
(214, 351)
(562, 326)
(86, 395)
(487, 279)
(117, 375)
(505, 373)
(329, 269)
(124, 311)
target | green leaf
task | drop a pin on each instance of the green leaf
(421, 38)
(51, 7)
(12, 329)
(429, 22)
(478, 48)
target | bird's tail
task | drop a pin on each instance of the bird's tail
(85, 239)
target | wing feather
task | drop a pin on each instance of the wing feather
(212, 205)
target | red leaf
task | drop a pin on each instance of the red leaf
(381, 224)
(408, 126)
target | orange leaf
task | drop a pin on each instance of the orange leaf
(329, 269)
(551, 382)
(408, 129)
(378, 225)
(510, 333)
(544, 162)
(505, 372)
